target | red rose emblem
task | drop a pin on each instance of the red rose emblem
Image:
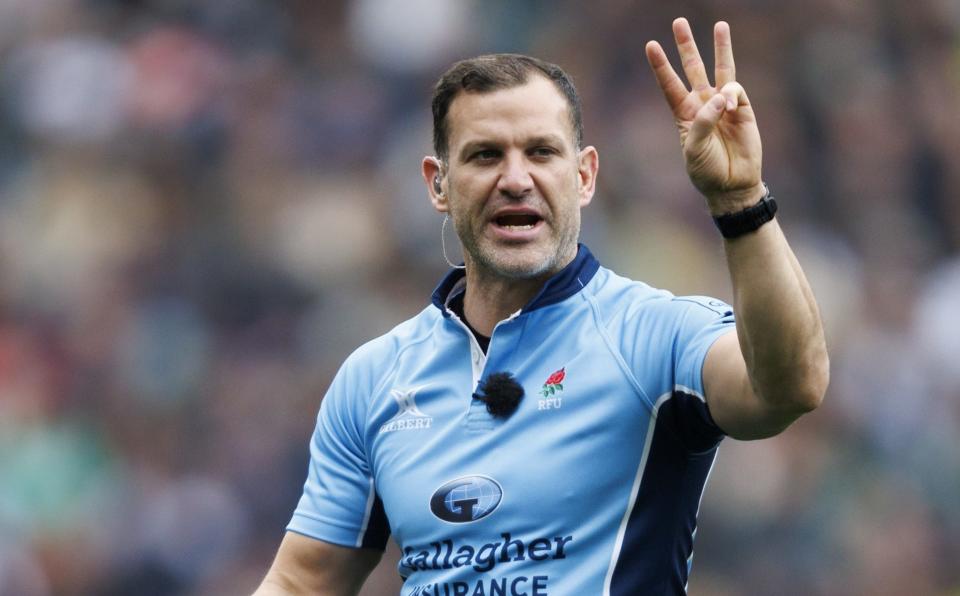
(556, 378)
(554, 383)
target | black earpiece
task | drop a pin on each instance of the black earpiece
(437, 188)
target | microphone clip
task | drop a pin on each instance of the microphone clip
(501, 393)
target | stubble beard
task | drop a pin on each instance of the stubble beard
(518, 263)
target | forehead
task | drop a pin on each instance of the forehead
(534, 109)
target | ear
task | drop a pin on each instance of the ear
(433, 177)
(587, 167)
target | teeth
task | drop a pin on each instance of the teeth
(523, 227)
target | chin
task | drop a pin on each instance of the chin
(527, 264)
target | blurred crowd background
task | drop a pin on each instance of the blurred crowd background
(206, 205)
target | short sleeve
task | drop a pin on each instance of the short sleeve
(665, 341)
(339, 502)
(702, 321)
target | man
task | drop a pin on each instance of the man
(545, 426)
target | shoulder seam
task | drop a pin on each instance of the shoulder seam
(381, 379)
(692, 300)
(415, 341)
(618, 356)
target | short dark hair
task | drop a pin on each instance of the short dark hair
(494, 72)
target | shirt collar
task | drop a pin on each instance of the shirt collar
(565, 283)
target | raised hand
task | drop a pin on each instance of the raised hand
(718, 130)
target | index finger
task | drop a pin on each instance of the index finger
(725, 70)
(669, 81)
(690, 58)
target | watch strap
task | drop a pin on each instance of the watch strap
(734, 225)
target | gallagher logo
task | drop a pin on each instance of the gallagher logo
(466, 499)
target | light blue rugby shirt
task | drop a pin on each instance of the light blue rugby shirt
(591, 487)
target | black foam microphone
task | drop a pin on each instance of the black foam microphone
(502, 394)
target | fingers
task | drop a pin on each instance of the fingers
(725, 73)
(725, 70)
(668, 80)
(734, 96)
(728, 100)
(690, 57)
(704, 122)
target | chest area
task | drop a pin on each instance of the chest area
(446, 469)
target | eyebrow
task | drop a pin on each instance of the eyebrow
(473, 146)
(549, 139)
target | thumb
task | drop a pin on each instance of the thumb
(704, 122)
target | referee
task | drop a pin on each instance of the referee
(545, 426)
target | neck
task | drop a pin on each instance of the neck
(488, 301)
(491, 297)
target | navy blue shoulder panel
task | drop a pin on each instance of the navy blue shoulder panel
(378, 527)
(567, 282)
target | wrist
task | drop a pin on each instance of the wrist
(749, 219)
(734, 201)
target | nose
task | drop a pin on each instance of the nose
(515, 179)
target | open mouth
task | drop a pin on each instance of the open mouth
(518, 221)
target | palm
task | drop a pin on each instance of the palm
(721, 146)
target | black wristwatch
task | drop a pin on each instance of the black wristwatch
(734, 225)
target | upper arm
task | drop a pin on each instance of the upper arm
(308, 566)
(733, 403)
(339, 503)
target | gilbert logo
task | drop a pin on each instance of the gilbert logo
(408, 416)
(550, 389)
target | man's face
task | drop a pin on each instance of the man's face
(515, 181)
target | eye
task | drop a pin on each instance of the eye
(485, 155)
(543, 151)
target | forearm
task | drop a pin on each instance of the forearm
(307, 566)
(778, 322)
(278, 584)
(274, 587)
